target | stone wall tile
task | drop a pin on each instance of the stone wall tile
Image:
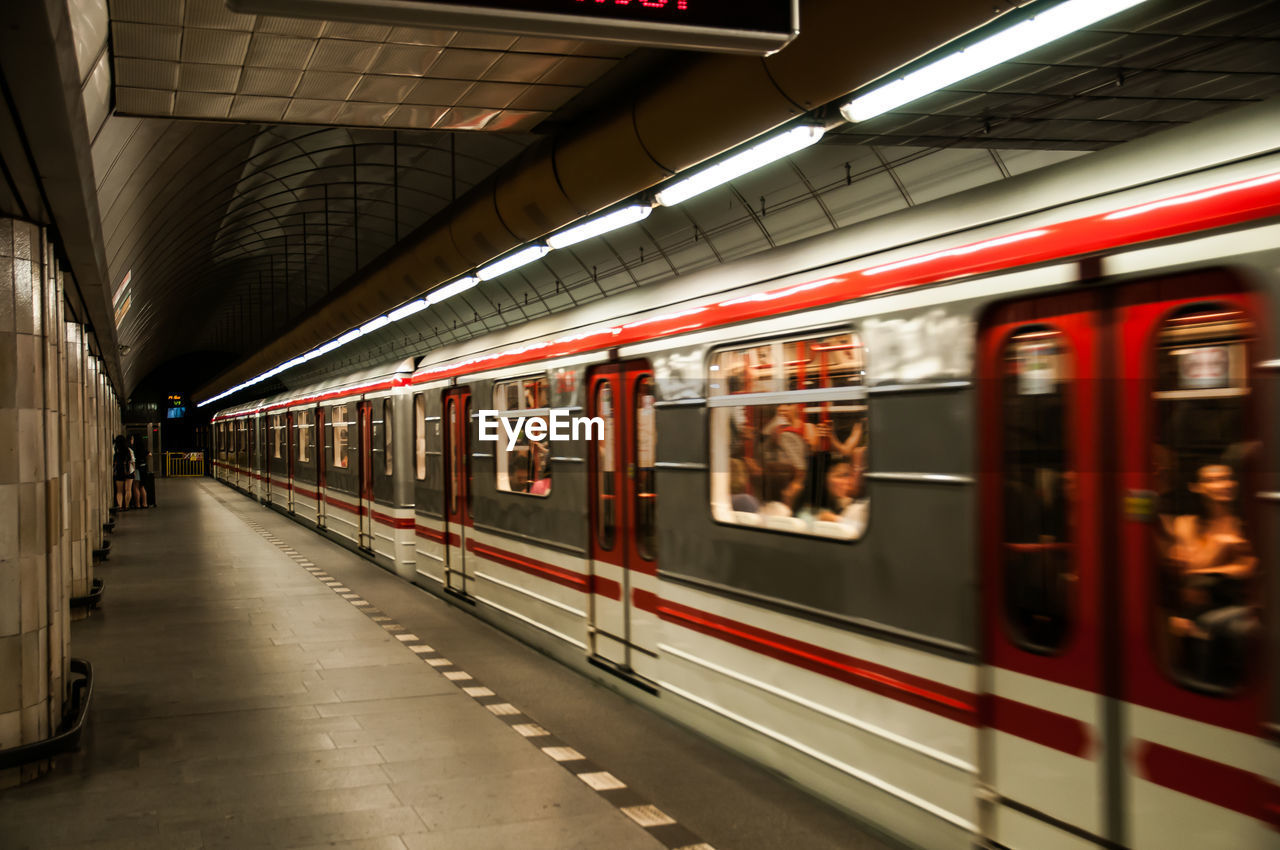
(10, 673)
(10, 596)
(8, 452)
(30, 572)
(23, 310)
(30, 445)
(32, 672)
(10, 729)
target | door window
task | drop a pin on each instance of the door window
(1204, 449)
(606, 460)
(386, 436)
(420, 436)
(646, 445)
(1038, 489)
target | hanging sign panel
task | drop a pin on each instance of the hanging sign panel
(733, 26)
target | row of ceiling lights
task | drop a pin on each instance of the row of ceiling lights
(1005, 44)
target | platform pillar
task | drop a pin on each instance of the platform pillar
(34, 570)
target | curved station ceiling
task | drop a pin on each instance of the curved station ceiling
(265, 184)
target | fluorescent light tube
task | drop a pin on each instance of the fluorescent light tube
(373, 324)
(602, 224)
(408, 309)
(513, 261)
(1036, 31)
(449, 290)
(770, 150)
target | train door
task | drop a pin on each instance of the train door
(1123, 693)
(320, 445)
(623, 503)
(288, 450)
(1043, 717)
(1193, 545)
(364, 475)
(457, 487)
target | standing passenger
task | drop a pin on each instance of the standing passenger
(122, 471)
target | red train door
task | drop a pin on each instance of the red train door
(1125, 686)
(623, 503)
(1042, 741)
(364, 475)
(288, 449)
(1193, 536)
(320, 446)
(457, 487)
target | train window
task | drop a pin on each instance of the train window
(386, 436)
(646, 498)
(606, 520)
(789, 436)
(1208, 595)
(523, 465)
(276, 428)
(1038, 557)
(420, 436)
(341, 435)
(304, 422)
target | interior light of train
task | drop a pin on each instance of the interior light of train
(408, 309)
(451, 289)
(512, 261)
(1036, 31)
(756, 156)
(598, 226)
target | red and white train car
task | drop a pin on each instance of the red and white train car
(965, 518)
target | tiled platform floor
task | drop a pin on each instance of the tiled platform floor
(242, 703)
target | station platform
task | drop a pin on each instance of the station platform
(259, 686)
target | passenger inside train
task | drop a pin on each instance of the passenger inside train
(1205, 449)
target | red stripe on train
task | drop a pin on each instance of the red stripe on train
(559, 575)
(392, 521)
(1220, 784)
(935, 697)
(1040, 726)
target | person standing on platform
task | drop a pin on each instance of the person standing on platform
(122, 467)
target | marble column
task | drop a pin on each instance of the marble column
(34, 577)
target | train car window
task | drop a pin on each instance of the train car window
(646, 497)
(606, 520)
(386, 436)
(789, 436)
(1039, 565)
(420, 436)
(276, 427)
(342, 423)
(304, 422)
(1209, 595)
(523, 465)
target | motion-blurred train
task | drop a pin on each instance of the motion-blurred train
(965, 518)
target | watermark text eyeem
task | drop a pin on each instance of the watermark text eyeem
(556, 426)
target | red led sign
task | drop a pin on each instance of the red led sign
(735, 26)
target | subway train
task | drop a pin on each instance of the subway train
(964, 518)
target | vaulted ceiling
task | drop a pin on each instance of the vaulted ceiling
(248, 168)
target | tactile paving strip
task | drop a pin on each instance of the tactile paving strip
(653, 820)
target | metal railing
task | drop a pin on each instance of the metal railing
(183, 464)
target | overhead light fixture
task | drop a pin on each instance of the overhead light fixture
(756, 156)
(373, 324)
(1038, 30)
(597, 226)
(449, 290)
(408, 309)
(512, 261)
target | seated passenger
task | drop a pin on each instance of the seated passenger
(1215, 565)
(781, 486)
(740, 488)
(842, 499)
